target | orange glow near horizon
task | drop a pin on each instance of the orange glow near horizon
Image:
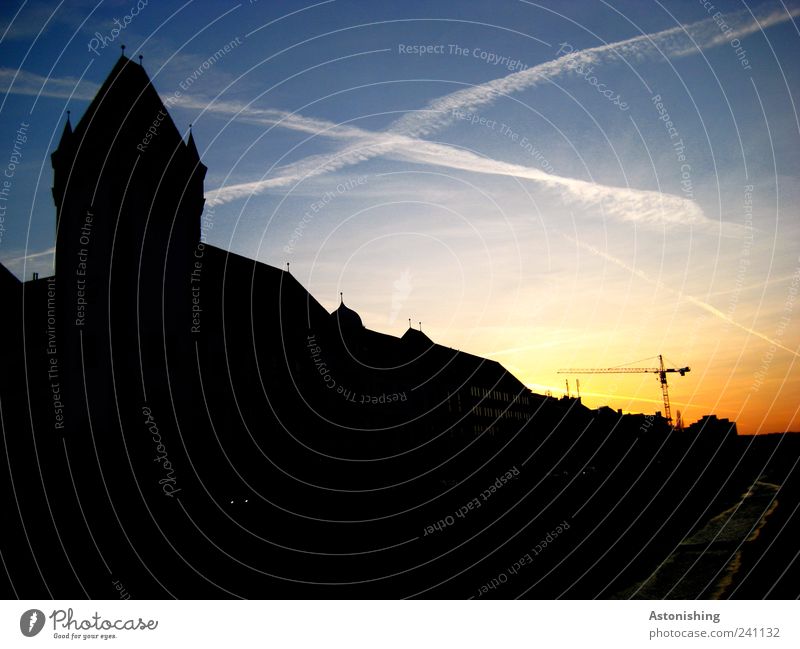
(769, 407)
(735, 372)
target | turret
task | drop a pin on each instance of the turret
(347, 320)
(61, 160)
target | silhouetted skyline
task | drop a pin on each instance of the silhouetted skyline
(208, 395)
(303, 120)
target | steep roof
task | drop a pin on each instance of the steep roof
(124, 108)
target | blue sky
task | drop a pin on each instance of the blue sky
(516, 186)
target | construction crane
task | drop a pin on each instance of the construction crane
(660, 370)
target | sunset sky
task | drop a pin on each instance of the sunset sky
(554, 184)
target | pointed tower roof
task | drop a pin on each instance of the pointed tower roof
(191, 147)
(123, 110)
(67, 132)
(124, 78)
(66, 141)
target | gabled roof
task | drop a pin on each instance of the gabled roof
(415, 336)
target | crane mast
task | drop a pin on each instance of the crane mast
(661, 371)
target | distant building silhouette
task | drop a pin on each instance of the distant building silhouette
(712, 425)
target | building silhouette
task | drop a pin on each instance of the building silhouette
(184, 421)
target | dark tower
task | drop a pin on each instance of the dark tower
(129, 197)
(125, 184)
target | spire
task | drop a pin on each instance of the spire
(191, 146)
(62, 159)
(66, 134)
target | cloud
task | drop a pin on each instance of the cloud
(683, 296)
(621, 203)
(674, 42)
(28, 24)
(29, 83)
(35, 19)
(649, 208)
(24, 265)
(741, 29)
(402, 139)
(645, 207)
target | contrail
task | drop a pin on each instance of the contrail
(32, 84)
(402, 137)
(689, 298)
(623, 203)
(670, 43)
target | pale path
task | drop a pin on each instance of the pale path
(704, 564)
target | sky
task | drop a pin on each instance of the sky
(550, 185)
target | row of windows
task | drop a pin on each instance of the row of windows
(496, 413)
(497, 395)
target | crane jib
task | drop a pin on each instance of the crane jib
(661, 371)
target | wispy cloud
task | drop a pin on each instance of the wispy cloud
(683, 296)
(645, 207)
(402, 139)
(741, 27)
(669, 43)
(23, 265)
(34, 18)
(622, 203)
(28, 23)
(30, 83)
